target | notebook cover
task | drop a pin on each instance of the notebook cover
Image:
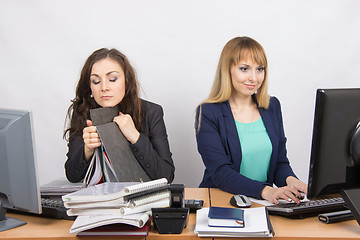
(226, 217)
(103, 115)
(226, 213)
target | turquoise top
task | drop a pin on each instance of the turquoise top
(256, 150)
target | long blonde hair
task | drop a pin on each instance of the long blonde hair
(232, 54)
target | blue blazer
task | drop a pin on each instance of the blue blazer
(219, 146)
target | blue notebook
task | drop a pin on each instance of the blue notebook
(226, 217)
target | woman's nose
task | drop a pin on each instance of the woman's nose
(104, 86)
(252, 75)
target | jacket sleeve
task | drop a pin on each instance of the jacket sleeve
(283, 168)
(152, 148)
(75, 165)
(212, 146)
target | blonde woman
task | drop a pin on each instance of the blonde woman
(239, 129)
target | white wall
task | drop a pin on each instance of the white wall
(174, 46)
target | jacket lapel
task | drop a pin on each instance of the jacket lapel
(266, 117)
(232, 136)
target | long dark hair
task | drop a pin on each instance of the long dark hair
(79, 110)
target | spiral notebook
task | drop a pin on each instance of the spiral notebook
(142, 204)
(83, 223)
(111, 191)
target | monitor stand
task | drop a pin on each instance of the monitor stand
(7, 223)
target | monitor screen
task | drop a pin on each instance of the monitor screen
(337, 114)
(19, 187)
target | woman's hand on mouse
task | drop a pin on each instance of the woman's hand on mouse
(91, 140)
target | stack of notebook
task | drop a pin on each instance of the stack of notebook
(232, 222)
(115, 203)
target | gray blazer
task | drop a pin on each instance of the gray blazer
(151, 150)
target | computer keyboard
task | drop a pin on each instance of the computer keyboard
(54, 208)
(308, 208)
(51, 208)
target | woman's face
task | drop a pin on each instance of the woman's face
(107, 82)
(247, 77)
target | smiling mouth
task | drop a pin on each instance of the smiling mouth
(250, 86)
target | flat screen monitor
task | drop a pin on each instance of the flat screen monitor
(336, 118)
(19, 188)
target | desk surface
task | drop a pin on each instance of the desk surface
(44, 228)
(309, 228)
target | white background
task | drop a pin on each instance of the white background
(174, 47)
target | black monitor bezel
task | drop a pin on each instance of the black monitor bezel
(330, 140)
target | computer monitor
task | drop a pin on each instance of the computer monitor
(337, 114)
(19, 188)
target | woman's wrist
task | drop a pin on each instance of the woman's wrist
(134, 137)
(88, 153)
(265, 192)
(291, 180)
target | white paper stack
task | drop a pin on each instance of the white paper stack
(116, 202)
(256, 225)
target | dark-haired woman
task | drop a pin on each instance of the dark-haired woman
(107, 80)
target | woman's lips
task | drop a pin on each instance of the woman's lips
(249, 86)
(105, 97)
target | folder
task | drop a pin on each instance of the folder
(118, 155)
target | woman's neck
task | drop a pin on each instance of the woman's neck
(241, 101)
(244, 109)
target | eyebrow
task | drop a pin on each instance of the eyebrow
(94, 74)
(246, 65)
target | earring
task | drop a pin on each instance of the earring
(91, 96)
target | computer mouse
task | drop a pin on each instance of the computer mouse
(240, 201)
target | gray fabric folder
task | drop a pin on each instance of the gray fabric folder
(123, 161)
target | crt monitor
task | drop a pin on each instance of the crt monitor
(332, 164)
(19, 188)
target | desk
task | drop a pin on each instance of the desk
(44, 228)
(308, 228)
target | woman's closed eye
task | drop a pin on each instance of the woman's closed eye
(95, 81)
(113, 79)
